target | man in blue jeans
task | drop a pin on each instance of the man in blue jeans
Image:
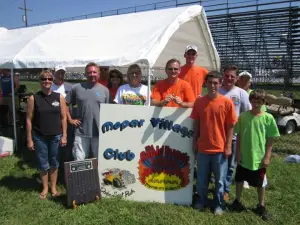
(214, 117)
(240, 99)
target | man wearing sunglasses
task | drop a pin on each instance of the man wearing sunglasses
(172, 92)
(88, 97)
(63, 88)
(104, 72)
(194, 75)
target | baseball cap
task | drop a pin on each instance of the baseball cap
(57, 68)
(245, 73)
(191, 47)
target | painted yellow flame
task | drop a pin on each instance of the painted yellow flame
(163, 182)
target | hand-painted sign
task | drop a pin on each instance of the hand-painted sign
(145, 153)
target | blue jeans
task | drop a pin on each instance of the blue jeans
(231, 167)
(47, 151)
(207, 163)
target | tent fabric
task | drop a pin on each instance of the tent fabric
(150, 38)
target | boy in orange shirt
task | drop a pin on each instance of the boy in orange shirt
(194, 75)
(172, 92)
(214, 118)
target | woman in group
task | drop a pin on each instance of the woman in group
(115, 80)
(133, 93)
(46, 130)
(173, 91)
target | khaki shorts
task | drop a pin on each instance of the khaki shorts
(8, 101)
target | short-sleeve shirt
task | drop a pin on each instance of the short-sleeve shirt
(254, 132)
(214, 116)
(63, 89)
(88, 99)
(181, 89)
(263, 107)
(240, 99)
(195, 76)
(128, 95)
(5, 82)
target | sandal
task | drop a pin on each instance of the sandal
(43, 196)
(57, 194)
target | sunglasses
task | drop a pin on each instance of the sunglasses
(114, 76)
(47, 78)
(173, 69)
(104, 69)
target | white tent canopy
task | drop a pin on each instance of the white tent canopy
(150, 38)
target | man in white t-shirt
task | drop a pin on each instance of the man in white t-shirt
(59, 85)
(241, 103)
(133, 93)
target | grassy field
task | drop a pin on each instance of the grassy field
(20, 187)
(20, 203)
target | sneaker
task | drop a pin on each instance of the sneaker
(262, 212)
(246, 185)
(226, 196)
(218, 211)
(238, 206)
(199, 206)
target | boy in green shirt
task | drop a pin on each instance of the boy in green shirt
(255, 132)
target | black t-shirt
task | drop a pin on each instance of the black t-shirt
(47, 114)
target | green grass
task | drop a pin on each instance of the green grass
(20, 203)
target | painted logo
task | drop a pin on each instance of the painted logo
(117, 178)
(163, 168)
(55, 103)
(235, 99)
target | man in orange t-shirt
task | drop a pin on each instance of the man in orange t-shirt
(194, 75)
(103, 79)
(172, 92)
(214, 118)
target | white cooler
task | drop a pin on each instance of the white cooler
(6, 146)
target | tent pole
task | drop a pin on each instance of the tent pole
(149, 85)
(13, 107)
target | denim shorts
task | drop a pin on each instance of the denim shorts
(47, 151)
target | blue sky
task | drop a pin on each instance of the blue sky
(46, 10)
(49, 10)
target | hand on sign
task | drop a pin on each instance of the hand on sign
(168, 98)
(178, 100)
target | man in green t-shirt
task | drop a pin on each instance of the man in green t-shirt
(255, 132)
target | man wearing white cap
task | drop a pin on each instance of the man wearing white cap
(194, 75)
(244, 81)
(59, 84)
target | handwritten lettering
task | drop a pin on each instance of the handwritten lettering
(169, 125)
(117, 155)
(121, 125)
(123, 194)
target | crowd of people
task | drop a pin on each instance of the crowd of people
(230, 127)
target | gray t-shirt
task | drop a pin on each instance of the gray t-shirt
(88, 99)
(240, 100)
